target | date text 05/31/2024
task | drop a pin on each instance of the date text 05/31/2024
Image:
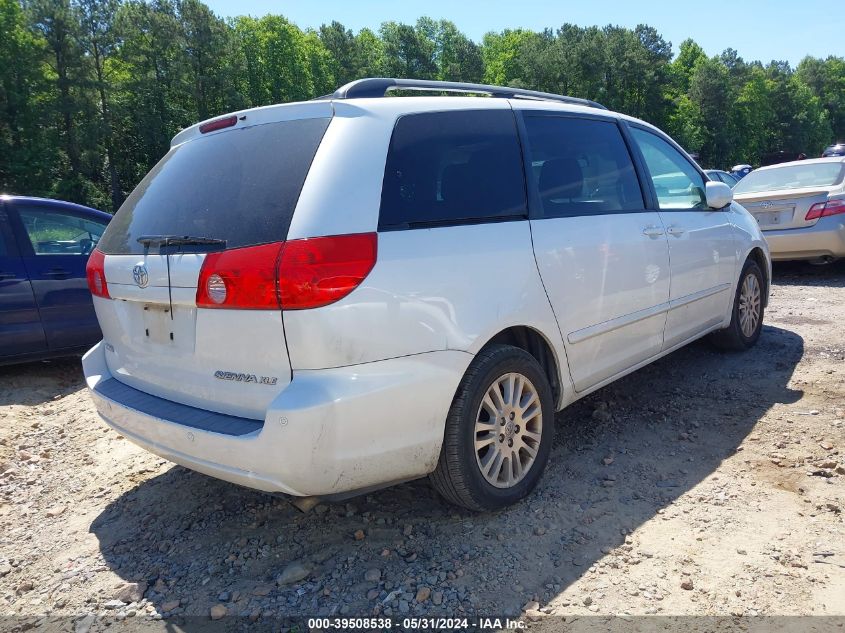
(433, 623)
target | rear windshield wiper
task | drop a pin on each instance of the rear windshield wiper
(180, 240)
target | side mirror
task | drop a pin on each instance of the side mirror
(718, 194)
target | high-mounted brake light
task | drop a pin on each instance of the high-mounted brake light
(218, 124)
(95, 272)
(824, 209)
(294, 275)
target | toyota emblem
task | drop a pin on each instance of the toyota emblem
(141, 276)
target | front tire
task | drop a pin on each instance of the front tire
(499, 431)
(747, 314)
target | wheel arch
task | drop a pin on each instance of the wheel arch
(537, 344)
(757, 255)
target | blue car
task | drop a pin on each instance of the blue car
(45, 305)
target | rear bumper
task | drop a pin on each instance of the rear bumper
(330, 431)
(826, 238)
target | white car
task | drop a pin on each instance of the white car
(324, 298)
(800, 207)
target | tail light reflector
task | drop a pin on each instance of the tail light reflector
(293, 275)
(95, 272)
(824, 209)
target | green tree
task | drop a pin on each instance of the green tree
(341, 44)
(59, 24)
(98, 39)
(210, 63)
(501, 55)
(826, 78)
(408, 51)
(279, 60)
(25, 156)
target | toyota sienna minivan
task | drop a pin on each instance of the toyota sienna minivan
(323, 298)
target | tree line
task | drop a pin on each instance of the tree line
(92, 91)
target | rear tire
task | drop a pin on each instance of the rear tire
(747, 312)
(498, 433)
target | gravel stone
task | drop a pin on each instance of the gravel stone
(294, 572)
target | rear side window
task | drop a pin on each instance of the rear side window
(240, 186)
(453, 167)
(581, 167)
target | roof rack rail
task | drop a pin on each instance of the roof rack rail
(378, 87)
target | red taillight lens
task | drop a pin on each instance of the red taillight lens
(824, 209)
(318, 271)
(95, 271)
(218, 124)
(294, 275)
(242, 278)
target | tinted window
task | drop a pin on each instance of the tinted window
(56, 232)
(240, 186)
(677, 183)
(792, 177)
(448, 167)
(581, 166)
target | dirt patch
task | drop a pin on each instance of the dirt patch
(704, 484)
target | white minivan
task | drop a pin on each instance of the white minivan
(323, 298)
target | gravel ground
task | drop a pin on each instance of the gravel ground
(704, 484)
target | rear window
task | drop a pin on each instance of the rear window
(240, 186)
(452, 167)
(792, 177)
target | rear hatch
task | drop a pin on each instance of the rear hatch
(229, 192)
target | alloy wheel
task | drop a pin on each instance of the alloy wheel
(508, 428)
(749, 305)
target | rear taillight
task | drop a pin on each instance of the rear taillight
(294, 275)
(95, 271)
(242, 278)
(824, 209)
(321, 270)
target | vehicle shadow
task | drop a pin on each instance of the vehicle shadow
(35, 383)
(620, 456)
(804, 274)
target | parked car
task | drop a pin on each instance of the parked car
(800, 207)
(717, 175)
(45, 305)
(837, 149)
(741, 171)
(327, 297)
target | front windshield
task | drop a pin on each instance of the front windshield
(792, 177)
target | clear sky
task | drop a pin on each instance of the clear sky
(757, 29)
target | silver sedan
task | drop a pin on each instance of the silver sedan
(800, 207)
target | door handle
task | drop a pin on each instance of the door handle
(653, 231)
(677, 231)
(58, 273)
(4, 276)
